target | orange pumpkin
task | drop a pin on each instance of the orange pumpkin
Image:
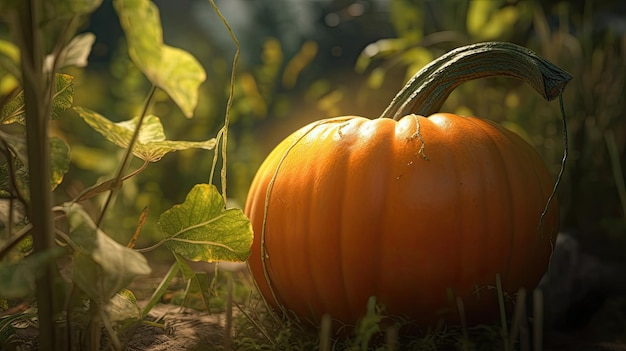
(415, 211)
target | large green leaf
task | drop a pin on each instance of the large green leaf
(151, 144)
(63, 98)
(175, 71)
(201, 229)
(102, 267)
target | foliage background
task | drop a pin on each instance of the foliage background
(306, 60)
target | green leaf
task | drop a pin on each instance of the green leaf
(161, 289)
(75, 53)
(175, 71)
(123, 308)
(102, 267)
(151, 144)
(14, 111)
(59, 163)
(63, 98)
(196, 294)
(201, 229)
(17, 279)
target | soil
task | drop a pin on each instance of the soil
(186, 329)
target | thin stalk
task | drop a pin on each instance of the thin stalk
(231, 94)
(503, 325)
(107, 184)
(391, 339)
(325, 333)
(14, 239)
(518, 320)
(465, 335)
(618, 174)
(117, 182)
(537, 319)
(426, 92)
(37, 98)
(228, 325)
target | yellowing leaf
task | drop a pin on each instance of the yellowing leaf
(151, 144)
(175, 71)
(59, 161)
(63, 98)
(201, 229)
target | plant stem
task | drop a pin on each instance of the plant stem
(618, 174)
(37, 85)
(117, 182)
(231, 94)
(426, 92)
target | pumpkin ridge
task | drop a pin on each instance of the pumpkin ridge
(360, 151)
(338, 167)
(497, 148)
(543, 184)
(268, 192)
(525, 154)
(308, 228)
(389, 143)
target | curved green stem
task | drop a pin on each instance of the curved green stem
(426, 92)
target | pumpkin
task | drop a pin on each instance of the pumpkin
(416, 211)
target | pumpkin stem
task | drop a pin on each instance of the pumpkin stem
(426, 92)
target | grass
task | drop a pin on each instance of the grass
(250, 325)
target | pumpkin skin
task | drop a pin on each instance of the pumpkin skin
(349, 208)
